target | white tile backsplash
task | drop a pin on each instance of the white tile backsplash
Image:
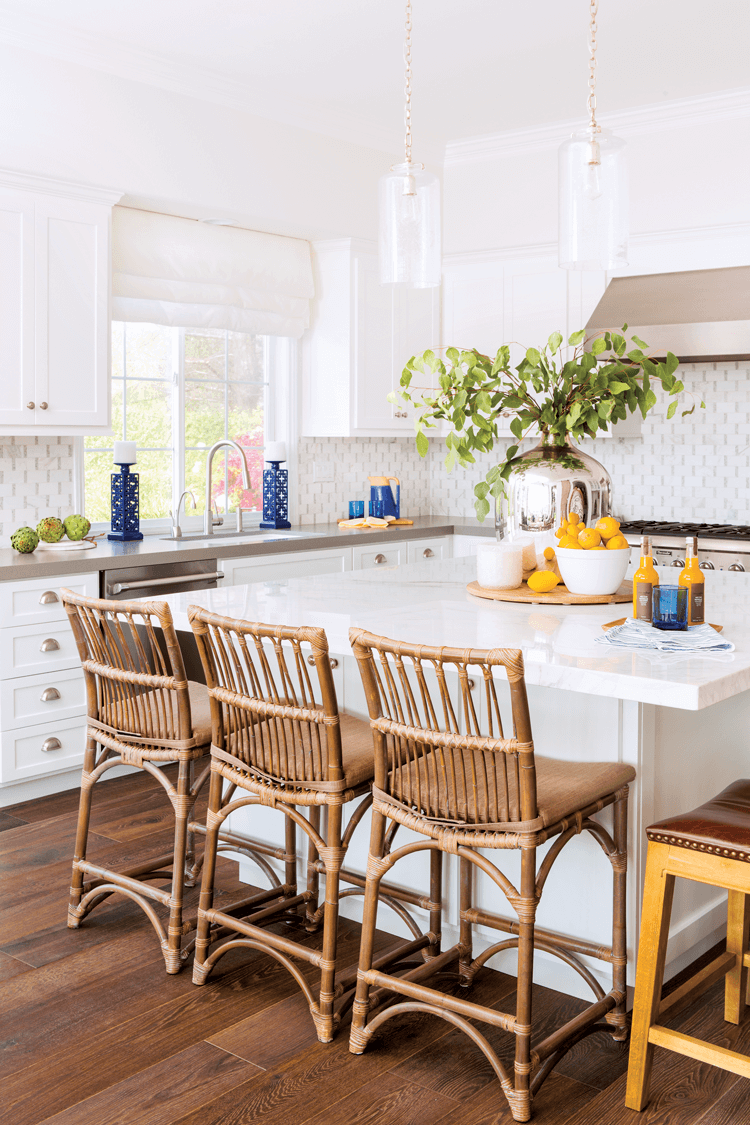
(693, 468)
(36, 480)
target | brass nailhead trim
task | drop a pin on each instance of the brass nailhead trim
(677, 841)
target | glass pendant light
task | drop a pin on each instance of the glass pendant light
(409, 210)
(593, 189)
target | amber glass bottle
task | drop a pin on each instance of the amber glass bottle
(644, 580)
(692, 577)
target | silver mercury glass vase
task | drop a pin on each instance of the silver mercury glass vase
(548, 483)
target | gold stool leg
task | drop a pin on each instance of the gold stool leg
(652, 953)
(738, 936)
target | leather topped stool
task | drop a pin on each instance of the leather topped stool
(710, 845)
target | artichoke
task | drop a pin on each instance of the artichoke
(76, 527)
(50, 529)
(24, 540)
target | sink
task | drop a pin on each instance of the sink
(256, 536)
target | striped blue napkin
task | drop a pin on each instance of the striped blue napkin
(643, 635)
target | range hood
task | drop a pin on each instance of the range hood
(700, 315)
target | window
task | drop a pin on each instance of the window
(175, 392)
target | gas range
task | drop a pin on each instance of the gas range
(720, 546)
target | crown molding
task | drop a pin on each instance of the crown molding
(153, 68)
(727, 105)
(68, 189)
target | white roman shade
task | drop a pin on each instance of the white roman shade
(180, 272)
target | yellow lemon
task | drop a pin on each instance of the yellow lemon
(569, 543)
(617, 543)
(601, 547)
(549, 553)
(607, 526)
(562, 531)
(573, 518)
(589, 538)
(542, 581)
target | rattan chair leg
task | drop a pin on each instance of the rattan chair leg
(618, 1016)
(436, 901)
(203, 935)
(358, 1037)
(82, 835)
(652, 952)
(738, 936)
(313, 876)
(520, 1100)
(191, 870)
(465, 926)
(324, 1021)
(182, 810)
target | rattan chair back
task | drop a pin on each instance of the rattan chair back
(440, 750)
(136, 686)
(273, 700)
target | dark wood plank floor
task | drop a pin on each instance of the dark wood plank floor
(95, 1033)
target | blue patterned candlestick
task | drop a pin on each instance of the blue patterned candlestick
(125, 518)
(275, 496)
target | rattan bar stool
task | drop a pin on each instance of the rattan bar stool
(710, 845)
(285, 745)
(142, 711)
(445, 770)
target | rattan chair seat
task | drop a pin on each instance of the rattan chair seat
(438, 790)
(117, 715)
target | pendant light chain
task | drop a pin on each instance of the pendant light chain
(591, 102)
(407, 87)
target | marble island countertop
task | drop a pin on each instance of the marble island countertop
(428, 603)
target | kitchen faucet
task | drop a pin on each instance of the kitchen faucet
(208, 516)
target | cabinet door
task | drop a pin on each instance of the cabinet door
(72, 313)
(416, 327)
(425, 550)
(382, 554)
(275, 568)
(373, 348)
(16, 310)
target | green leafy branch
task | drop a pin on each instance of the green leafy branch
(598, 385)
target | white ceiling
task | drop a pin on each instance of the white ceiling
(480, 66)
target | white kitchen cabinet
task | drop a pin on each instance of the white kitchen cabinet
(465, 546)
(381, 554)
(362, 335)
(423, 550)
(275, 568)
(54, 306)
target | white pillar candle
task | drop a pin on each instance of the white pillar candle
(528, 545)
(500, 566)
(275, 451)
(125, 453)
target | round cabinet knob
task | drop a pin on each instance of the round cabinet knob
(707, 565)
(737, 566)
(48, 597)
(42, 405)
(379, 559)
(428, 553)
(679, 562)
(51, 744)
(31, 406)
(49, 694)
(50, 645)
(334, 662)
(471, 684)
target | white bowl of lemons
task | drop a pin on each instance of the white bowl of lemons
(592, 560)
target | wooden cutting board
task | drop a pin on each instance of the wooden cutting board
(559, 596)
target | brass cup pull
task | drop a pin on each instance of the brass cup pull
(48, 597)
(42, 405)
(428, 553)
(51, 744)
(50, 645)
(30, 405)
(333, 661)
(49, 694)
(380, 559)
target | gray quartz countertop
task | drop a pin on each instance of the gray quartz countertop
(152, 549)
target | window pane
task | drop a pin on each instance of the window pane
(106, 441)
(148, 352)
(204, 413)
(155, 484)
(98, 468)
(195, 478)
(246, 357)
(205, 354)
(229, 462)
(118, 334)
(149, 414)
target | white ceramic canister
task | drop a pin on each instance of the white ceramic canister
(500, 566)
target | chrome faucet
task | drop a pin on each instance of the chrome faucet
(176, 529)
(208, 516)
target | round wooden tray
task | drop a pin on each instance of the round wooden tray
(559, 596)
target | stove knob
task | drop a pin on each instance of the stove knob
(678, 562)
(707, 565)
(737, 566)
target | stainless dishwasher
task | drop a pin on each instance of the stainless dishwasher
(160, 579)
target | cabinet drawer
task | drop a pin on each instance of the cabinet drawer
(384, 555)
(39, 699)
(31, 649)
(24, 754)
(422, 550)
(38, 599)
(275, 568)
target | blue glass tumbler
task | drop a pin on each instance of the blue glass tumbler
(356, 509)
(670, 604)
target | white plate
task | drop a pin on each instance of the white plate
(65, 545)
